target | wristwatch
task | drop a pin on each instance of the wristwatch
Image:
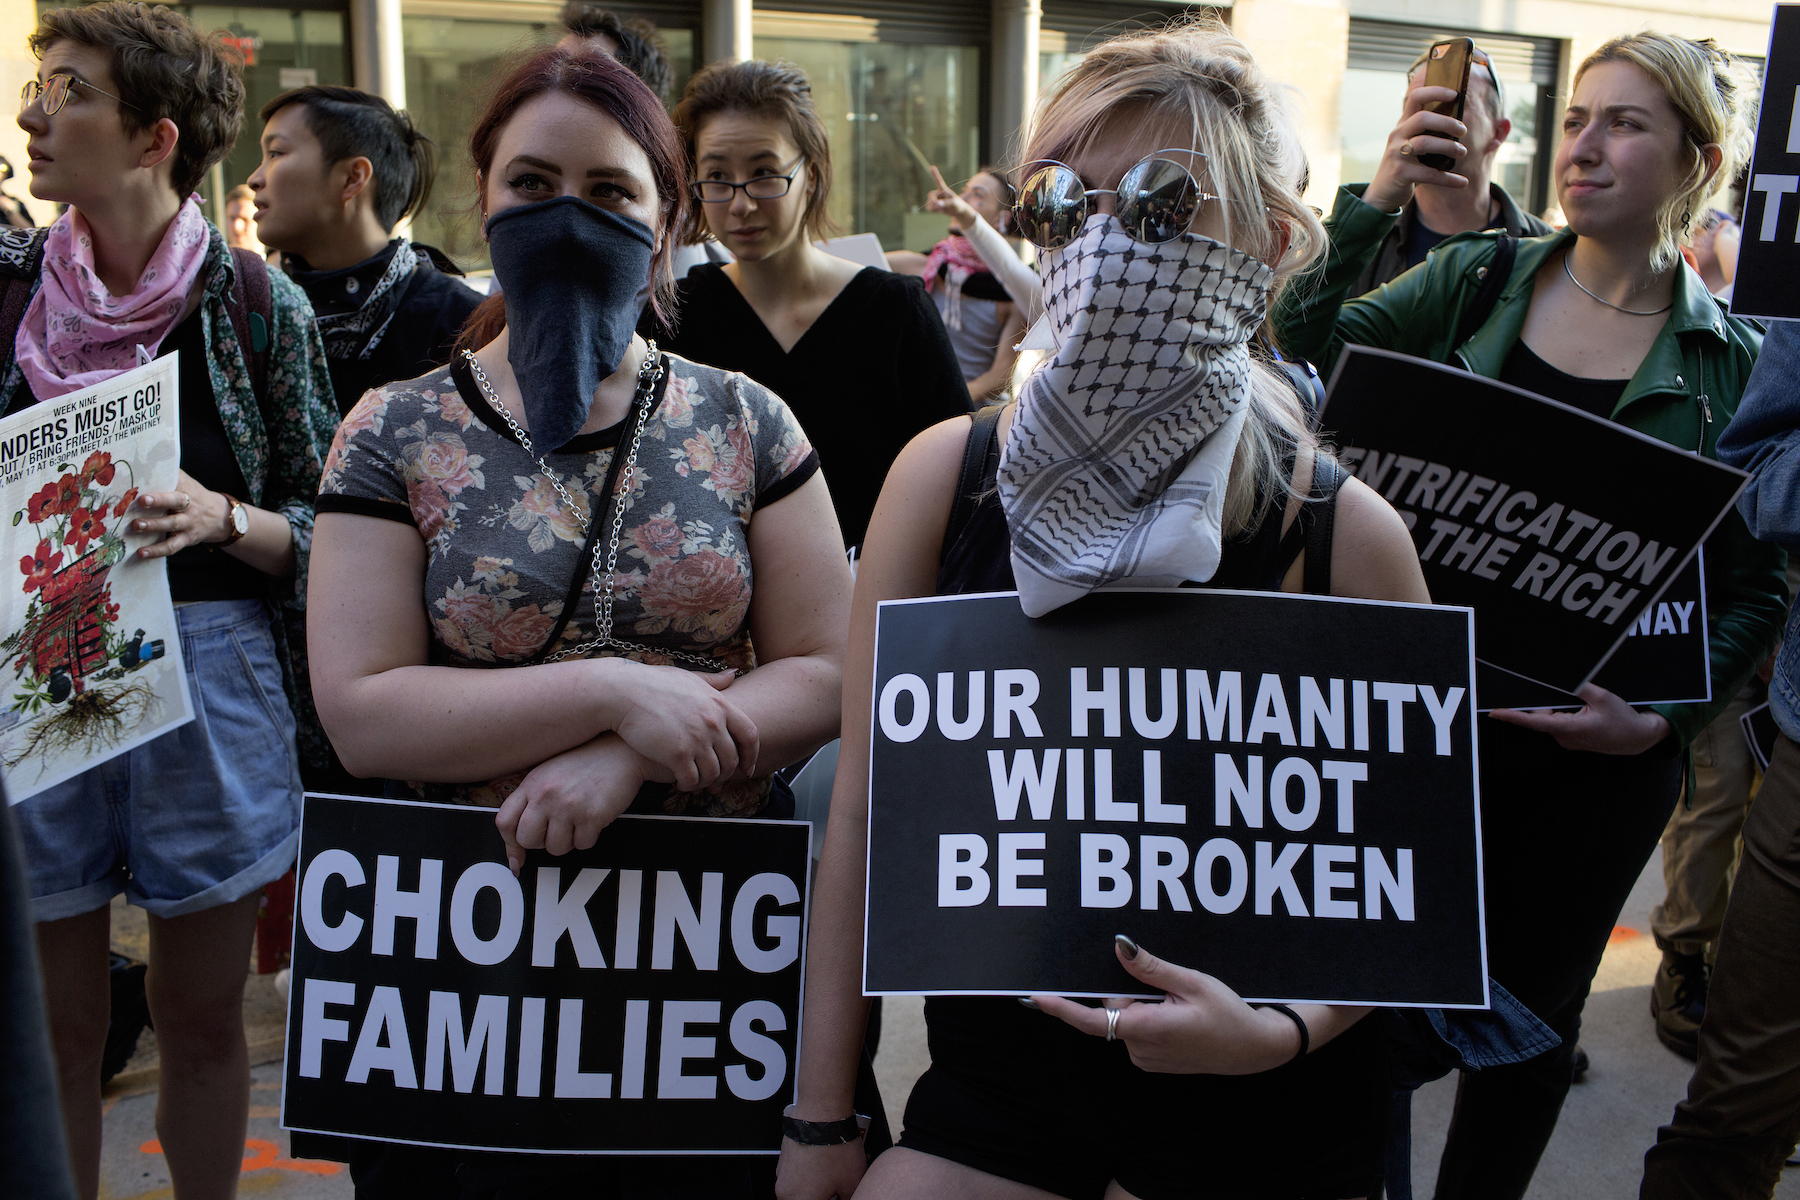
(239, 520)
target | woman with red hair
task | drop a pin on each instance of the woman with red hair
(568, 503)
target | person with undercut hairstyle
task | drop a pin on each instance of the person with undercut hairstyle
(339, 170)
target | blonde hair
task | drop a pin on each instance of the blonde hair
(1193, 74)
(1714, 94)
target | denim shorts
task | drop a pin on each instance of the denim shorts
(201, 816)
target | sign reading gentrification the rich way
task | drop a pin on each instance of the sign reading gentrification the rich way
(1769, 255)
(1277, 790)
(642, 996)
(90, 657)
(1556, 526)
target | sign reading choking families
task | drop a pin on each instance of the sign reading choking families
(1769, 254)
(1558, 527)
(639, 997)
(1277, 790)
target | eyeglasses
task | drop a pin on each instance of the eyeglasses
(1158, 200)
(55, 92)
(762, 187)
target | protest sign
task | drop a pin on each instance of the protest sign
(1769, 254)
(1556, 526)
(639, 997)
(92, 657)
(1760, 732)
(1277, 790)
(1666, 657)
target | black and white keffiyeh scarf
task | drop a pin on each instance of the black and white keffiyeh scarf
(1116, 464)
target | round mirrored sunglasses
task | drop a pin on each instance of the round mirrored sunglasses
(1158, 199)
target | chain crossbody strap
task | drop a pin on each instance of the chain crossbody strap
(649, 375)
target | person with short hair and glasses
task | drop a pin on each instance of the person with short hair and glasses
(130, 107)
(859, 354)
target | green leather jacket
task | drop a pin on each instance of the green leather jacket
(1684, 392)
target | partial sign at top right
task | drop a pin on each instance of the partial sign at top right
(1768, 273)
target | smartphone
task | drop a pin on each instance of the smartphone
(1447, 65)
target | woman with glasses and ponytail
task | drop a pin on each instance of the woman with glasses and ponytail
(1161, 162)
(1605, 316)
(858, 353)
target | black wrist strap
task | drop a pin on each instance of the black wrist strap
(1290, 1014)
(822, 1133)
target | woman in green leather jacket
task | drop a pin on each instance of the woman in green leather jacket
(1606, 316)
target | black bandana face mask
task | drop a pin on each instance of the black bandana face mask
(571, 274)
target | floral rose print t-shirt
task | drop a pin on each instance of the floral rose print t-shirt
(505, 556)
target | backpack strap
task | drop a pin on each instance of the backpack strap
(1499, 272)
(981, 459)
(1328, 477)
(1311, 532)
(251, 303)
(21, 261)
(1304, 379)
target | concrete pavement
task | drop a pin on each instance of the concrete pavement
(1607, 1124)
(1597, 1153)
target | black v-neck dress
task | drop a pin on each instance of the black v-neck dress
(874, 370)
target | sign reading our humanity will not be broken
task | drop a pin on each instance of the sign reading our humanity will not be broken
(1277, 790)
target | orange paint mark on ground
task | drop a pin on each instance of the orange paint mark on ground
(1622, 933)
(266, 1155)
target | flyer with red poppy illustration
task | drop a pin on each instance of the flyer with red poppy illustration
(90, 660)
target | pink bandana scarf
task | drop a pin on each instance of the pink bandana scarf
(76, 333)
(961, 256)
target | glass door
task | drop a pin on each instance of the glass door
(892, 110)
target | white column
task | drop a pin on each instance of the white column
(725, 31)
(1305, 43)
(377, 52)
(1015, 73)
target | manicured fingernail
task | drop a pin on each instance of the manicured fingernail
(1126, 946)
(1028, 1002)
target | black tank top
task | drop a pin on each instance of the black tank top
(976, 554)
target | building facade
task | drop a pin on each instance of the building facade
(905, 84)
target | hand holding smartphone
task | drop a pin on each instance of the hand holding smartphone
(1447, 66)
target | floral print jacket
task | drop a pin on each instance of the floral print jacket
(506, 557)
(282, 464)
(280, 443)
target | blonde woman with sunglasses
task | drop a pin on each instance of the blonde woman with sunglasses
(1161, 164)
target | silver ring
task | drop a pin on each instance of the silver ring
(1112, 1024)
